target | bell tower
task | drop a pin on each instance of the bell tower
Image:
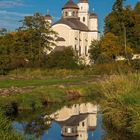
(83, 11)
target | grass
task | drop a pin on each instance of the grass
(6, 131)
(119, 94)
(121, 103)
(51, 94)
(33, 82)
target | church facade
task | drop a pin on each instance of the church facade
(77, 27)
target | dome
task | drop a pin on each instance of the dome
(70, 5)
(83, 1)
(93, 15)
(48, 17)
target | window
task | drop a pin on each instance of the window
(75, 48)
(84, 19)
(83, 124)
(85, 50)
(79, 50)
(66, 13)
(70, 13)
(73, 13)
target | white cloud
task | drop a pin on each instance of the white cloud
(10, 20)
(10, 3)
(4, 12)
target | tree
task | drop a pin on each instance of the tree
(136, 30)
(40, 37)
(95, 50)
(124, 19)
(3, 31)
(64, 58)
(118, 6)
(110, 45)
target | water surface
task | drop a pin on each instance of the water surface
(74, 122)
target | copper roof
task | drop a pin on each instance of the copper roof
(48, 16)
(93, 15)
(70, 4)
(83, 1)
(73, 23)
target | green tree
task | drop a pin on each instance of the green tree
(40, 37)
(118, 6)
(124, 20)
(64, 58)
(110, 45)
(3, 31)
(95, 50)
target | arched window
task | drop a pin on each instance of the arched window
(73, 13)
(83, 124)
(85, 50)
(79, 50)
(84, 19)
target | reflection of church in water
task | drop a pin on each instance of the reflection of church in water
(76, 121)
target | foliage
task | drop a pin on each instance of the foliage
(121, 19)
(110, 45)
(107, 49)
(65, 59)
(27, 46)
(95, 50)
(122, 102)
(6, 131)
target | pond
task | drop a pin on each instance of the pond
(74, 122)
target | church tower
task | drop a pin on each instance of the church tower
(70, 10)
(83, 11)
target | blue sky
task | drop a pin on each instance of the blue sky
(12, 11)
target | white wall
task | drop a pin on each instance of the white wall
(93, 24)
(83, 12)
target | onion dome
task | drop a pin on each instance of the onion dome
(70, 5)
(93, 15)
(83, 1)
(48, 17)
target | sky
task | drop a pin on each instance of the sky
(13, 11)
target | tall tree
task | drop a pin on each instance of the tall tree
(118, 6)
(124, 21)
(39, 35)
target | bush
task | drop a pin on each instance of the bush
(6, 131)
(136, 64)
(64, 59)
(11, 109)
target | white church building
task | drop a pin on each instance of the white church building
(77, 27)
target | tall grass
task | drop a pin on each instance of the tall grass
(121, 105)
(6, 131)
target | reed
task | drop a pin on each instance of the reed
(121, 104)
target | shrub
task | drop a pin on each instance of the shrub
(11, 109)
(64, 59)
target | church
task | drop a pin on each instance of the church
(77, 27)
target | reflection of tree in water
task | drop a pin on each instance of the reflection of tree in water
(37, 127)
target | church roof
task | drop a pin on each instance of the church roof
(48, 16)
(73, 121)
(73, 23)
(70, 4)
(83, 1)
(60, 39)
(93, 15)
